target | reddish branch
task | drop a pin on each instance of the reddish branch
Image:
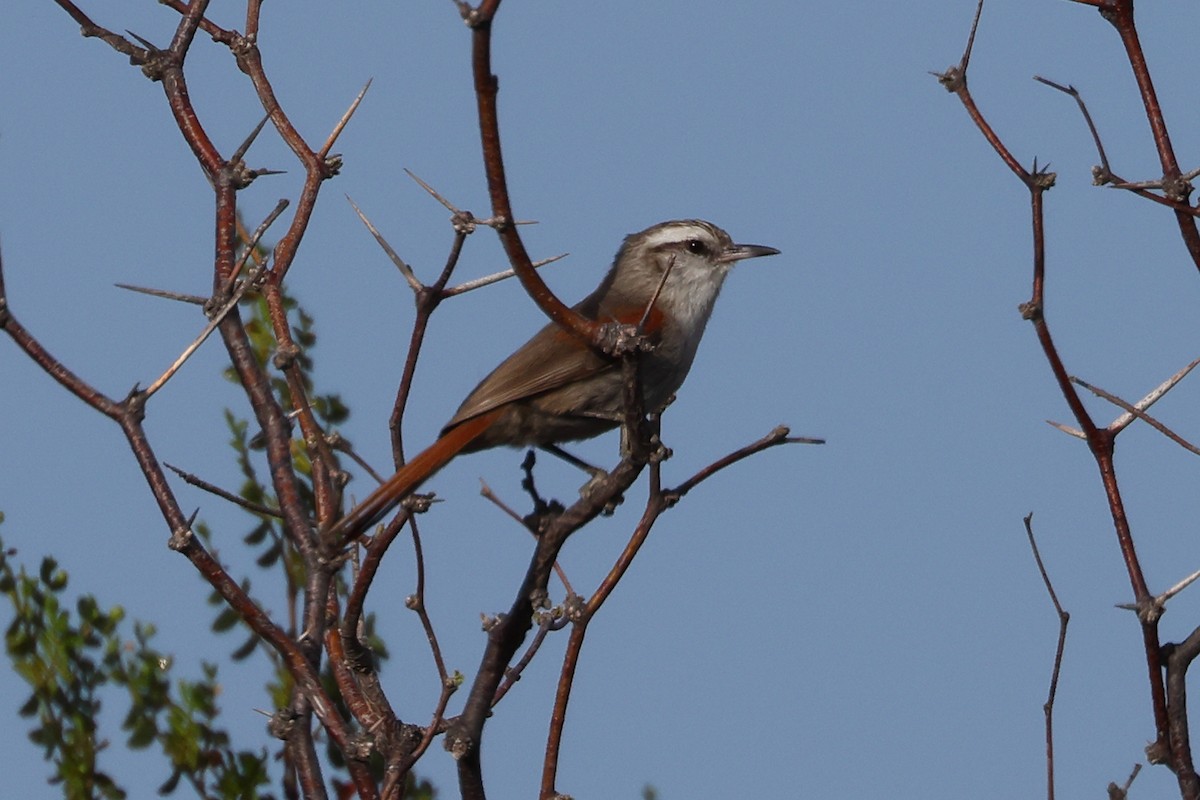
(129, 414)
(659, 501)
(1171, 743)
(1120, 14)
(300, 655)
(320, 631)
(486, 88)
(463, 739)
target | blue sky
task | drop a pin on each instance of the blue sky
(827, 622)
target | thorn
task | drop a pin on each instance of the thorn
(495, 277)
(401, 265)
(1154, 396)
(341, 124)
(432, 192)
(204, 334)
(1179, 587)
(1067, 89)
(1138, 413)
(249, 140)
(966, 58)
(1149, 610)
(1067, 429)
(146, 43)
(183, 298)
(654, 297)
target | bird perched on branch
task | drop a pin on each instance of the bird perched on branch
(556, 387)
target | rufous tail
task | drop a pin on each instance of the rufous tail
(410, 477)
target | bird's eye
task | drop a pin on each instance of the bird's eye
(696, 246)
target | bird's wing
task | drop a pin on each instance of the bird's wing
(554, 358)
(551, 359)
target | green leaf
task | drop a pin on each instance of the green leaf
(225, 620)
(243, 652)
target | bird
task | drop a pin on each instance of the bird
(557, 388)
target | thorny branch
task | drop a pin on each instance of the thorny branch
(581, 613)
(1171, 745)
(1064, 618)
(301, 653)
(359, 720)
(598, 334)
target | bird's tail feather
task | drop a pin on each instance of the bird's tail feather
(409, 477)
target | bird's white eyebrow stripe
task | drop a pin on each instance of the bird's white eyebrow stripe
(677, 233)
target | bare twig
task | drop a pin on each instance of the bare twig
(339, 444)
(1087, 117)
(1100, 440)
(137, 56)
(1122, 792)
(486, 491)
(1103, 174)
(513, 673)
(1132, 412)
(1063, 619)
(486, 88)
(211, 488)
(776, 437)
(1120, 14)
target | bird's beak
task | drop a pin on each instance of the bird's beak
(738, 252)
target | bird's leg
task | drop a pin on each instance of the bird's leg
(597, 474)
(543, 510)
(575, 461)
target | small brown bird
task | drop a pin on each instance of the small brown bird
(556, 388)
